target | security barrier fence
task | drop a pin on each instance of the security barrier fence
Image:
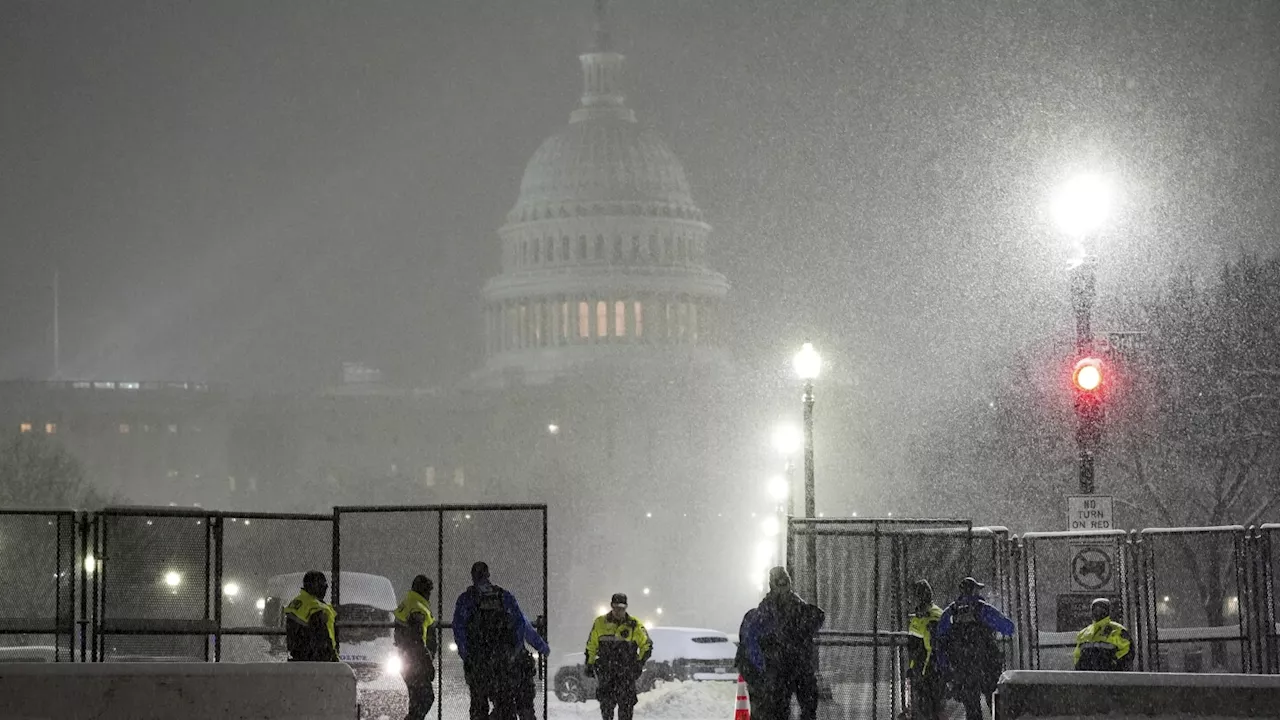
(135, 584)
(398, 543)
(1194, 599)
(39, 585)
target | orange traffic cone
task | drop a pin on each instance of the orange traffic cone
(743, 709)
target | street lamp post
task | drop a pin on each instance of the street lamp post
(808, 363)
(1079, 209)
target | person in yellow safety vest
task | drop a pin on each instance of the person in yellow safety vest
(1104, 645)
(309, 622)
(617, 650)
(415, 638)
(928, 679)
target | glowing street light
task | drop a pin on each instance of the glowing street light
(173, 578)
(779, 487)
(231, 589)
(771, 527)
(1081, 205)
(808, 364)
(90, 564)
(787, 439)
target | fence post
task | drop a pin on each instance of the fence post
(217, 584)
(336, 581)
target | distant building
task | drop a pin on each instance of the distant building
(605, 393)
(150, 443)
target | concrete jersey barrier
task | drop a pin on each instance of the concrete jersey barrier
(190, 691)
(1044, 694)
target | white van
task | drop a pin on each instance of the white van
(368, 601)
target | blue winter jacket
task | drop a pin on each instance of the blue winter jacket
(466, 605)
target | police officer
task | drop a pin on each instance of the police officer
(490, 630)
(526, 675)
(1104, 645)
(928, 683)
(965, 634)
(617, 650)
(780, 643)
(309, 622)
(415, 638)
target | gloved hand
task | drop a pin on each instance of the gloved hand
(590, 671)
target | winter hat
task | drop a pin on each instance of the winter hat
(969, 585)
(921, 590)
(423, 585)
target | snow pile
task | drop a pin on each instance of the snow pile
(668, 701)
(385, 700)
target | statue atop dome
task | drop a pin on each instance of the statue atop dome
(603, 43)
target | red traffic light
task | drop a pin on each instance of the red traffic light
(1087, 375)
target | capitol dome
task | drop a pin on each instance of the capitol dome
(597, 164)
(604, 251)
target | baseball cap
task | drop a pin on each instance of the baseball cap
(969, 585)
(619, 599)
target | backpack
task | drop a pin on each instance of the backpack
(971, 648)
(491, 631)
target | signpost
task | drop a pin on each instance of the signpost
(1090, 512)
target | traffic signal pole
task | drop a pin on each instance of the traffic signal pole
(1088, 405)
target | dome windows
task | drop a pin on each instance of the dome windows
(563, 321)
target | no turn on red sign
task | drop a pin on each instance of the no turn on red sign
(1090, 512)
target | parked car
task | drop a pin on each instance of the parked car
(678, 654)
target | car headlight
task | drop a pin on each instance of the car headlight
(392, 664)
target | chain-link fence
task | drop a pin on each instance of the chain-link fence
(373, 544)
(1058, 575)
(859, 572)
(259, 562)
(155, 583)
(37, 585)
(1190, 599)
(1267, 612)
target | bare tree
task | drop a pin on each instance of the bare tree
(36, 471)
(1195, 427)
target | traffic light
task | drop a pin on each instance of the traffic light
(1088, 375)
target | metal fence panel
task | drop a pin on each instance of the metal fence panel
(258, 557)
(37, 594)
(859, 574)
(1193, 578)
(1063, 572)
(156, 585)
(443, 542)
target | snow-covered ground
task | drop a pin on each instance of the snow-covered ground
(386, 700)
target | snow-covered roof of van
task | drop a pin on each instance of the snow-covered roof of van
(364, 588)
